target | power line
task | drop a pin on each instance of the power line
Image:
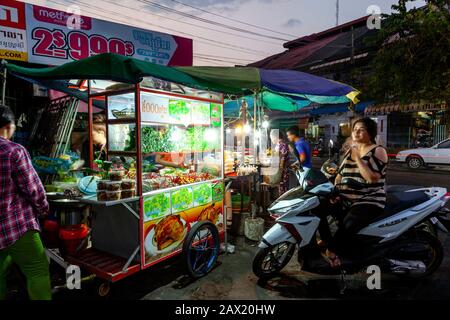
(231, 19)
(222, 57)
(197, 26)
(188, 34)
(214, 62)
(212, 59)
(207, 41)
(191, 16)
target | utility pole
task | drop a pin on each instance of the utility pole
(337, 13)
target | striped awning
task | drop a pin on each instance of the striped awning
(385, 108)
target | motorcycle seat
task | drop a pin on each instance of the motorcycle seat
(397, 200)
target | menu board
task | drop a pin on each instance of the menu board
(202, 194)
(154, 108)
(182, 199)
(156, 206)
(217, 191)
(200, 113)
(179, 112)
(216, 114)
(159, 109)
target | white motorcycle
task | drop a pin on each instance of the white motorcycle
(402, 241)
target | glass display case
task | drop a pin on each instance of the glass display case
(165, 143)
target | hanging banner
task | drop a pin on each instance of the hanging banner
(154, 108)
(160, 109)
(13, 37)
(53, 37)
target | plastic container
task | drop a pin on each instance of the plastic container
(71, 238)
(113, 195)
(102, 184)
(102, 195)
(113, 185)
(88, 185)
(50, 233)
(128, 184)
(116, 175)
(128, 193)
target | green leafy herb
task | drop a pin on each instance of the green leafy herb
(156, 205)
(181, 199)
(202, 194)
(178, 109)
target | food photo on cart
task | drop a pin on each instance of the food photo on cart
(156, 188)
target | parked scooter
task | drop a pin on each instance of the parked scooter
(403, 241)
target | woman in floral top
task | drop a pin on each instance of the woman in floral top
(281, 147)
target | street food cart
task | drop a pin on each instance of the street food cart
(162, 185)
(165, 146)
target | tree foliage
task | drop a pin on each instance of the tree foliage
(413, 59)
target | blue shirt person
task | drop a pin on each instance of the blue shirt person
(301, 145)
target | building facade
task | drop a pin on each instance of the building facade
(343, 54)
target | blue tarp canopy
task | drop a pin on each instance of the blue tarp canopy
(343, 107)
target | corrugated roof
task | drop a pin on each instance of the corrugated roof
(291, 58)
(326, 33)
(318, 47)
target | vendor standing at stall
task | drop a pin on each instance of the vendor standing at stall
(282, 151)
(80, 140)
(22, 200)
(301, 146)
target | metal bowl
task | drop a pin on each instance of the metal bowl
(68, 211)
(67, 203)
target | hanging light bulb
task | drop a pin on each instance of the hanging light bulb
(265, 124)
(247, 128)
(176, 135)
(238, 130)
(210, 135)
(228, 130)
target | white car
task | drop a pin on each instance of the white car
(438, 154)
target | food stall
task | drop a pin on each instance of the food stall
(160, 190)
(165, 175)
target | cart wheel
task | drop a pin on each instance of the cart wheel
(201, 249)
(103, 289)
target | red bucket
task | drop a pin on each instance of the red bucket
(71, 237)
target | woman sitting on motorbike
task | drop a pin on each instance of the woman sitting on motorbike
(366, 163)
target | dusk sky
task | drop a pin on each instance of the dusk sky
(222, 40)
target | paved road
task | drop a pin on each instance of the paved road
(233, 279)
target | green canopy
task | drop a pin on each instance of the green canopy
(267, 99)
(232, 80)
(231, 77)
(123, 69)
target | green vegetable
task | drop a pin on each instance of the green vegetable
(200, 112)
(181, 199)
(195, 137)
(152, 140)
(202, 194)
(157, 205)
(178, 109)
(214, 171)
